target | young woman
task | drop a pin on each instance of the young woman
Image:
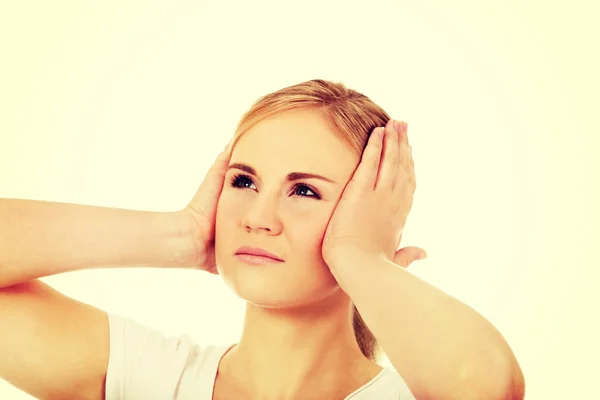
(301, 216)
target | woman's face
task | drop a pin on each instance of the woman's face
(287, 218)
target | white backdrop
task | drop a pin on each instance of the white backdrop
(127, 103)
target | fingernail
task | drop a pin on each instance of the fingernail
(422, 255)
(397, 126)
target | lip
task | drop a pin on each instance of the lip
(255, 251)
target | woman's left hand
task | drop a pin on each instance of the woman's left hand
(370, 216)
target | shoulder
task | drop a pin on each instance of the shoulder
(146, 363)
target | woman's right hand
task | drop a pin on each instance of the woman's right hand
(201, 213)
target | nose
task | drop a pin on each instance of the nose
(262, 216)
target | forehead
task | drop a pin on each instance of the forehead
(296, 140)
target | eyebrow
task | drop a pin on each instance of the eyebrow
(292, 176)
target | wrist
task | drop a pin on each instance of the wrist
(354, 267)
(183, 240)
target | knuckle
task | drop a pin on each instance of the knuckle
(374, 163)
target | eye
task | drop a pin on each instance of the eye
(300, 187)
(238, 181)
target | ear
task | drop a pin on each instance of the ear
(407, 255)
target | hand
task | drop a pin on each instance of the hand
(201, 213)
(371, 214)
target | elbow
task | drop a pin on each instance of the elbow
(508, 385)
(515, 389)
(498, 383)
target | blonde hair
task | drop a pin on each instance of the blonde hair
(352, 116)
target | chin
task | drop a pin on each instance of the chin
(277, 286)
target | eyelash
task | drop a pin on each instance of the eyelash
(235, 182)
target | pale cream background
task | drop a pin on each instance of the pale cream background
(126, 104)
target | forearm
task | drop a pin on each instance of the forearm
(441, 347)
(39, 238)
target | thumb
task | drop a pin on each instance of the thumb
(407, 255)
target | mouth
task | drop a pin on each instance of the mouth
(256, 255)
(256, 260)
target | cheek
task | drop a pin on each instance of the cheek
(307, 238)
(224, 207)
(228, 215)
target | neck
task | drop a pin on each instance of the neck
(310, 349)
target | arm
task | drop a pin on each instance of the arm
(441, 347)
(39, 238)
(53, 346)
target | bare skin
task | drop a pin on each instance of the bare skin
(298, 340)
(336, 374)
(298, 318)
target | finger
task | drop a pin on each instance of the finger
(218, 170)
(222, 161)
(227, 149)
(406, 168)
(405, 145)
(411, 163)
(389, 165)
(405, 133)
(407, 255)
(365, 176)
(214, 179)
